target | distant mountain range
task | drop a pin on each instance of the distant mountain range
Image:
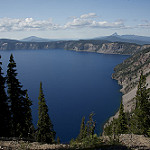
(141, 40)
(126, 38)
(36, 39)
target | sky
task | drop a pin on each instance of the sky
(73, 19)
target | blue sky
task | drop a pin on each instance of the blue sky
(73, 19)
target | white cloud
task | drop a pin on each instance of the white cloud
(27, 24)
(89, 20)
(105, 24)
(86, 20)
(78, 23)
(146, 24)
(89, 15)
(28, 19)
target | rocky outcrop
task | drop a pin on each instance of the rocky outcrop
(119, 48)
(135, 142)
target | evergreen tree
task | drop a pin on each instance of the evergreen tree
(16, 99)
(122, 121)
(28, 126)
(86, 138)
(58, 140)
(140, 121)
(45, 132)
(148, 132)
(4, 108)
(82, 133)
(91, 125)
(108, 129)
(115, 126)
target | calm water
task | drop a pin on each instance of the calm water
(74, 83)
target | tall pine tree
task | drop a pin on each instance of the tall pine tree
(16, 98)
(82, 133)
(4, 108)
(140, 121)
(28, 126)
(45, 131)
(91, 124)
(122, 121)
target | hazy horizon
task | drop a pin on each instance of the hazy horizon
(69, 38)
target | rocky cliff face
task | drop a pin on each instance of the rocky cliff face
(18, 45)
(99, 46)
(119, 48)
(127, 74)
(106, 48)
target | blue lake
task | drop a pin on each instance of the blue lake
(74, 83)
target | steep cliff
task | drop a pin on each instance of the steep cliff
(104, 47)
(128, 73)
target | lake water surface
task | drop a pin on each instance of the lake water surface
(74, 83)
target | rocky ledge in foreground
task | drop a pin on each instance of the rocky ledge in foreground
(132, 141)
(122, 142)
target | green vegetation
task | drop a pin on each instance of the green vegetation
(136, 122)
(87, 137)
(148, 132)
(122, 120)
(45, 132)
(119, 125)
(83, 130)
(4, 108)
(140, 120)
(28, 126)
(20, 105)
(15, 110)
(58, 140)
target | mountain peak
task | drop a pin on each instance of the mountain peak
(35, 39)
(115, 34)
